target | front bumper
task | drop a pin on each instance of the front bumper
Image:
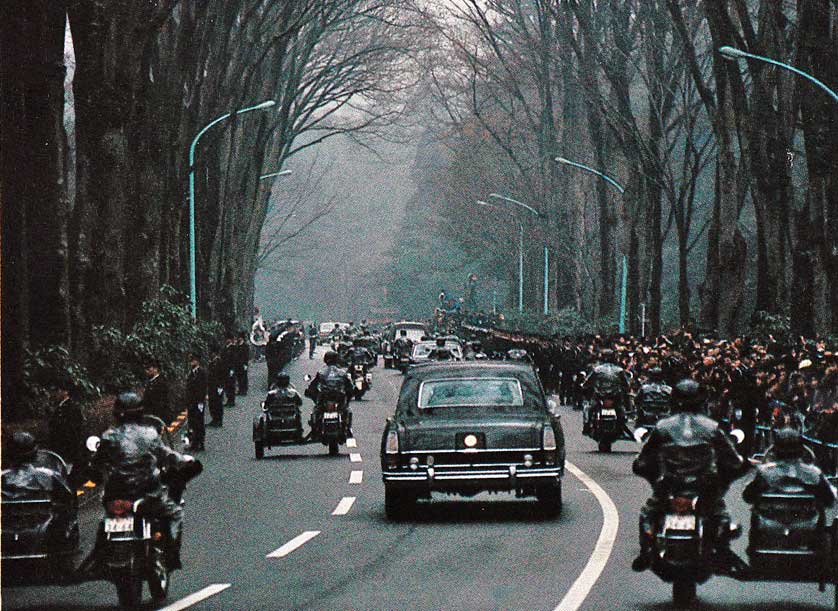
(494, 478)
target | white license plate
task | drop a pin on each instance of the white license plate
(676, 521)
(608, 413)
(119, 525)
(330, 416)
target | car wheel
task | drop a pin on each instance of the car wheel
(260, 450)
(129, 591)
(550, 499)
(683, 593)
(605, 446)
(333, 448)
(397, 504)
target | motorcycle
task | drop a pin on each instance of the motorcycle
(278, 424)
(131, 548)
(607, 422)
(330, 420)
(362, 381)
(40, 537)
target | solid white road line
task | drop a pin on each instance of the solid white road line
(356, 477)
(344, 506)
(351, 443)
(197, 597)
(602, 550)
(293, 544)
(354, 457)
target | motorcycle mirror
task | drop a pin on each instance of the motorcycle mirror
(640, 434)
(92, 443)
(307, 378)
(738, 435)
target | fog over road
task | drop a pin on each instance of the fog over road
(302, 531)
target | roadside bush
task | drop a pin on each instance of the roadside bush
(564, 322)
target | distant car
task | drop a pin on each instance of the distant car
(469, 427)
(423, 349)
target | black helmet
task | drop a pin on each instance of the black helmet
(331, 358)
(440, 341)
(403, 332)
(282, 380)
(688, 395)
(655, 374)
(22, 447)
(788, 444)
(607, 356)
(476, 346)
(128, 406)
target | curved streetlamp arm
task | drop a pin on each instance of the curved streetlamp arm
(734, 53)
(216, 121)
(582, 166)
(272, 174)
(516, 202)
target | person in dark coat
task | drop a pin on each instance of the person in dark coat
(228, 355)
(196, 400)
(156, 392)
(242, 362)
(216, 378)
(66, 423)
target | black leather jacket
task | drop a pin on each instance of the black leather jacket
(402, 346)
(790, 476)
(129, 459)
(330, 379)
(688, 450)
(608, 380)
(361, 356)
(654, 395)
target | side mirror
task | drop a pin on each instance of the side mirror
(307, 378)
(92, 443)
(640, 434)
(738, 435)
(552, 405)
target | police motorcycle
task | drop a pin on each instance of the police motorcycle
(331, 418)
(40, 525)
(131, 548)
(279, 423)
(605, 418)
(789, 540)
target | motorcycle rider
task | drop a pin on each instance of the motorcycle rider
(440, 351)
(333, 380)
(312, 340)
(688, 449)
(654, 397)
(282, 392)
(475, 352)
(360, 355)
(606, 380)
(789, 468)
(129, 461)
(27, 469)
(403, 346)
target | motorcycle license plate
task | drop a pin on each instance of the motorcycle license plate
(676, 521)
(330, 416)
(119, 525)
(608, 413)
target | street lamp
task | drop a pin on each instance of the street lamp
(272, 174)
(734, 53)
(622, 190)
(520, 255)
(546, 251)
(193, 289)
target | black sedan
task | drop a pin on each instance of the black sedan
(469, 427)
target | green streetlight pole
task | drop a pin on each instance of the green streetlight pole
(521, 259)
(193, 285)
(734, 53)
(622, 190)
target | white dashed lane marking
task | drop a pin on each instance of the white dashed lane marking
(351, 443)
(344, 506)
(197, 597)
(355, 457)
(356, 477)
(293, 544)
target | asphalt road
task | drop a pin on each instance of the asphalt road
(322, 520)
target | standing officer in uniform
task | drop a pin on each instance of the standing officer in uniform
(216, 377)
(196, 400)
(228, 355)
(156, 392)
(242, 362)
(66, 423)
